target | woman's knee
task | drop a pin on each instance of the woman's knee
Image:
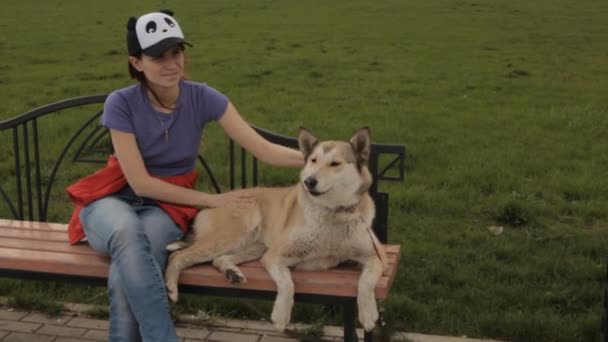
(110, 223)
(128, 234)
(160, 230)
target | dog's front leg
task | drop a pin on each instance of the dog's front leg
(366, 298)
(278, 269)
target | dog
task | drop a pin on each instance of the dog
(321, 221)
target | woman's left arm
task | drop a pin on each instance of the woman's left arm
(241, 132)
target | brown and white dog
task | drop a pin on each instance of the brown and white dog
(315, 224)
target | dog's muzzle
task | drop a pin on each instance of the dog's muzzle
(311, 186)
(311, 183)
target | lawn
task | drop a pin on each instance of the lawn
(501, 104)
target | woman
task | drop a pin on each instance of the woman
(144, 199)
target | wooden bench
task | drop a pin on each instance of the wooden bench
(32, 248)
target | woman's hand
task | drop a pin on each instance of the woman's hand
(233, 199)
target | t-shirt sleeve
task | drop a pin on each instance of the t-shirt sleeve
(116, 114)
(214, 103)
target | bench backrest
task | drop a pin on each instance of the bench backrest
(37, 145)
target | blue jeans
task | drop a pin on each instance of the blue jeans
(134, 234)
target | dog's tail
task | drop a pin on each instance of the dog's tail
(177, 245)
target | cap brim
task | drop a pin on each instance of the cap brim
(159, 48)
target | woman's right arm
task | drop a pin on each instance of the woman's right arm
(144, 185)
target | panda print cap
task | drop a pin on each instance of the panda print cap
(153, 33)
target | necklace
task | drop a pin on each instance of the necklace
(166, 120)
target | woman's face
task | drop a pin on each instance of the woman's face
(164, 71)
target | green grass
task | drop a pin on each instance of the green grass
(501, 104)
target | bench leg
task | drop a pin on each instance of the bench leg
(350, 316)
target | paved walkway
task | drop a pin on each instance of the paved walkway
(23, 326)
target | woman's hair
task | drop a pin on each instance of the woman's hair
(141, 78)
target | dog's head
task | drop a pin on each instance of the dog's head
(335, 173)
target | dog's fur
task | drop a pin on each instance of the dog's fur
(315, 224)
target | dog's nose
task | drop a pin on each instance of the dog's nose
(310, 182)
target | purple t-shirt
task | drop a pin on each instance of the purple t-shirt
(174, 152)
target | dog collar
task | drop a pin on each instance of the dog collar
(344, 209)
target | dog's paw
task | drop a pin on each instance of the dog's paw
(280, 322)
(368, 315)
(368, 312)
(172, 293)
(235, 277)
(281, 314)
(177, 245)
(368, 320)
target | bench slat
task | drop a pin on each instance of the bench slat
(48, 246)
(42, 247)
(33, 225)
(27, 234)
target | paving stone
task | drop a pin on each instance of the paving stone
(335, 331)
(222, 336)
(96, 335)
(60, 330)
(436, 338)
(22, 337)
(19, 326)
(277, 339)
(89, 323)
(80, 308)
(22, 326)
(12, 315)
(195, 333)
(261, 326)
(45, 319)
(245, 324)
(225, 329)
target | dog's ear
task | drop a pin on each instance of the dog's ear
(360, 143)
(306, 141)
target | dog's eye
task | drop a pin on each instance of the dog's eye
(313, 160)
(335, 163)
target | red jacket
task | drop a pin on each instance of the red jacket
(109, 180)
